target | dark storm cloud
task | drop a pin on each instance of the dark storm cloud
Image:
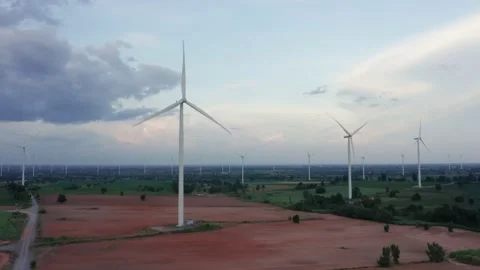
(13, 12)
(43, 78)
(319, 90)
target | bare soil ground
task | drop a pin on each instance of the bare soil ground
(103, 216)
(332, 243)
(4, 257)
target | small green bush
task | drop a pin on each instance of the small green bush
(142, 197)
(289, 218)
(33, 264)
(296, 219)
(103, 190)
(320, 190)
(438, 187)
(450, 227)
(121, 193)
(416, 197)
(385, 258)
(395, 253)
(386, 228)
(471, 201)
(426, 226)
(469, 256)
(435, 252)
(61, 198)
(459, 199)
(42, 211)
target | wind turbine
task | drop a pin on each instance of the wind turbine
(33, 165)
(403, 164)
(1, 167)
(309, 156)
(461, 162)
(349, 138)
(449, 162)
(25, 156)
(363, 168)
(419, 139)
(243, 164)
(181, 166)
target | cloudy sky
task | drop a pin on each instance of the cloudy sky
(81, 72)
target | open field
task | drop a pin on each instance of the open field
(100, 215)
(319, 244)
(11, 225)
(4, 257)
(128, 187)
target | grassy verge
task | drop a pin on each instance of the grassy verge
(64, 240)
(469, 256)
(11, 225)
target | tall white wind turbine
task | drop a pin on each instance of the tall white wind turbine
(461, 162)
(349, 138)
(363, 168)
(309, 156)
(243, 164)
(449, 165)
(25, 157)
(180, 103)
(419, 139)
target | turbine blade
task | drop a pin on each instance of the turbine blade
(420, 129)
(358, 129)
(424, 144)
(195, 107)
(184, 75)
(344, 129)
(166, 109)
(353, 147)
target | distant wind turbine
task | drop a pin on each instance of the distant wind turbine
(403, 164)
(419, 139)
(449, 162)
(25, 157)
(181, 166)
(363, 168)
(243, 165)
(461, 162)
(349, 138)
(309, 156)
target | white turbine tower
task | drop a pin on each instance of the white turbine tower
(461, 162)
(309, 156)
(449, 165)
(243, 165)
(349, 138)
(180, 103)
(363, 168)
(33, 165)
(403, 164)
(25, 157)
(419, 139)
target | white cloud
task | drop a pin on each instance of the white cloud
(141, 40)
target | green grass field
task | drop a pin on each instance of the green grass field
(469, 256)
(11, 225)
(128, 187)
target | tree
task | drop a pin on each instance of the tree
(142, 197)
(416, 197)
(356, 192)
(263, 187)
(257, 187)
(103, 190)
(438, 187)
(414, 176)
(384, 177)
(61, 198)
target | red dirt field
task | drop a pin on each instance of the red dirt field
(127, 215)
(332, 243)
(4, 257)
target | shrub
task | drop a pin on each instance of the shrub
(61, 198)
(33, 264)
(320, 190)
(289, 218)
(426, 226)
(121, 193)
(459, 199)
(386, 228)
(395, 253)
(416, 197)
(387, 190)
(42, 211)
(296, 219)
(450, 227)
(468, 256)
(103, 190)
(435, 252)
(471, 201)
(142, 197)
(438, 187)
(393, 193)
(384, 260)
